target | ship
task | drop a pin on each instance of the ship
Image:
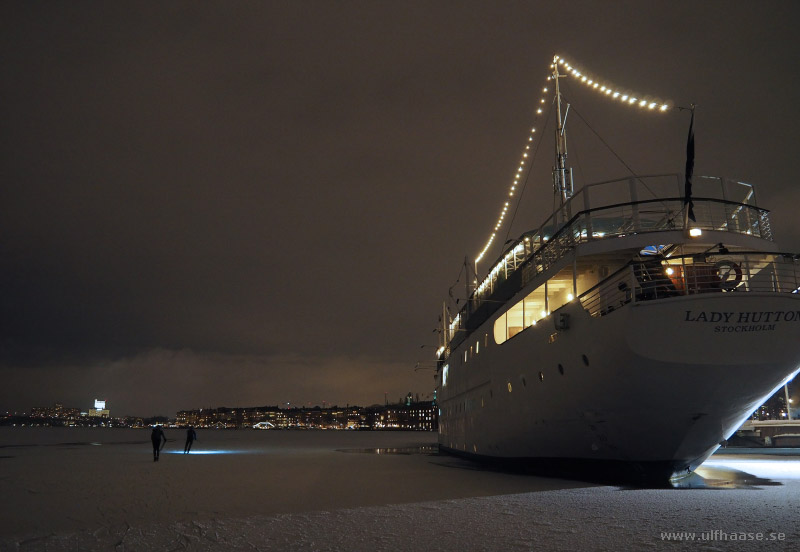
(630, 334)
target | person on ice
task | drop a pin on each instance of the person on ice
(190, 438)
(159, 440)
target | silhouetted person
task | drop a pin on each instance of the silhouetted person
(159, 440)
(190, 437)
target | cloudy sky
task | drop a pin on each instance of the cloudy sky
(242, 203)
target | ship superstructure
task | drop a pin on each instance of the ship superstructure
(622, 330)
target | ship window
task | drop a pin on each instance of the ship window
(515, 319)
(509, 387)
(541, 376)
(477, 346)
(522, 315)
(559, 289)
(500, 329)
(445, 372)
(561, 369)
(585, 360)
(534, 305)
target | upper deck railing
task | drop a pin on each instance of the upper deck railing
(617, 208)
(717, 272)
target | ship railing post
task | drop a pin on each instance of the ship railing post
(750, 225)
(730, 215)
(684, 276)
(776, 286)
(574, 273)
(587, 212)
(748, 286)
(794, 274)
(634, 203)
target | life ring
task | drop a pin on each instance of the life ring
(729, 274)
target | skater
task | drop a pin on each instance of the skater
(191, 435)
(157, 436)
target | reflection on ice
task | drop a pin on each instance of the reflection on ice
(740, 469)
(421, 449)
(759, 467)
(193, 452)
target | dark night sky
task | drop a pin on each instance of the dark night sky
(241, 203)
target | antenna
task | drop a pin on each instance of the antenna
(562, 176)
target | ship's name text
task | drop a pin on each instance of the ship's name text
(736, 322)
(752, 317)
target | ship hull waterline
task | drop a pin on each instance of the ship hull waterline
(652, 387)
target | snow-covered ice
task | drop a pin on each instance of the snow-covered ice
(99, 489)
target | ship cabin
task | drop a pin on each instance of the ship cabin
(623, 241)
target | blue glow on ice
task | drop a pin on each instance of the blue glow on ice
(193, 452)
(770, 469)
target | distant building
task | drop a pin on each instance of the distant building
(56, 411)
(775, 407)
(99, 410)
(410, 416)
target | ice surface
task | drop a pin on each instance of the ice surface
(96, 489)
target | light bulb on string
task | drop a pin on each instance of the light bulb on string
(516, 179)
(597, 84)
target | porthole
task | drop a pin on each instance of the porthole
(509, 387)
(541, 376)
(585, 360)
(524, 383)
(561, 369)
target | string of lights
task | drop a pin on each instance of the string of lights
(524, 160)
(628, 98)
(612, 92)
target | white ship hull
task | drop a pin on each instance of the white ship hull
(638, 326)
(657, 385)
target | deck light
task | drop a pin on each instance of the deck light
(695, 232)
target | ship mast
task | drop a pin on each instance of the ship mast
(562, 175)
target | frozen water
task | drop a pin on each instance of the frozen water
(99, 489)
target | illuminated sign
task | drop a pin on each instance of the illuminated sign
(99, 405)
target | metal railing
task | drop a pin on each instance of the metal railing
(613, 209)
(657, 278)
(620, 220)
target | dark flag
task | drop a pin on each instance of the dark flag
(687, 192)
